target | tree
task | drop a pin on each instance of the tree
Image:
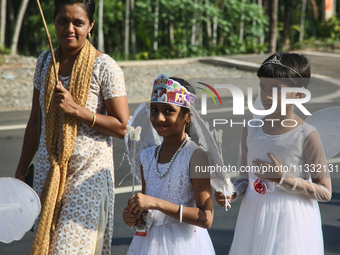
(261, 13)
(133, 31)
(156, 23)
(242, 21)
(273, 31)
(3, 23)
(127, 29)
(287, 23)
(100, 27)
(20, 17)
(302, 26)
(208, 23)
(194, 25)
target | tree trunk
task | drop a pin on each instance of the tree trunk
(194, 25)
(311, 21)
(214, 34)
(242, 21)
(127, 28)
(10, 17)
(155, 35)
(262, 28)
(208, 25)
(171, 33)
(19, 19)
(101, 46)
(149, 6)
(302, 26)
(3, 23)
(273, 31)
(287, 23)
(133, 30)
(315, 9)
(200, 33)
(253, 22)
(184, 38)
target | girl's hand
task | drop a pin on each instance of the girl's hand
(220, 199)
(63, 99)
(129, 219)
(140, 201)
(271, 171)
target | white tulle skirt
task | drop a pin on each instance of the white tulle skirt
(169, 237)
(277, 223)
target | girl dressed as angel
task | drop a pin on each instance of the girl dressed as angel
(181, 204)
(279, 213)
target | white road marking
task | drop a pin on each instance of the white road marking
(127, 189)
(321, 99)
(333, 160)
(12, 127)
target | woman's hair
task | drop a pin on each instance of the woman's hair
(185, 110)
(293, 68)
(88, 5)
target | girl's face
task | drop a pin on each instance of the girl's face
(267, 85)
(168, 119)
(72, 26)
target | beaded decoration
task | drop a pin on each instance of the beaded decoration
(186, 139)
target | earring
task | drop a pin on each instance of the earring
(89, 35)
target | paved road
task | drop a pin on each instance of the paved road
(222, 229)
(322, 63)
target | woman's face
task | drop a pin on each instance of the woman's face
(72, 26)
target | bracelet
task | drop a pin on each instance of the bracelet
(94, 119)
(180, 213)
(295, 184)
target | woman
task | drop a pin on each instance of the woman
(74, 175)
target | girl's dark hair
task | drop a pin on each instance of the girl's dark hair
(185, 110)
(88, 5)
(299, 63)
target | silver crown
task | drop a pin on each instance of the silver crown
(275, 61)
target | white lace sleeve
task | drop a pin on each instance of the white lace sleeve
(318, 187)
(241, 182)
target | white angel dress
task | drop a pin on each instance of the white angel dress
(278, 219)
(167, 235)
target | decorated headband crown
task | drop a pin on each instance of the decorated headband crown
(275, 61)
(169, 91)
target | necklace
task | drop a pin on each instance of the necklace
(172, 159)
(286, 125)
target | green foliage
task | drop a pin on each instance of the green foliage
(332, 28)
(326, 44)
(4, 50)
(181, 15)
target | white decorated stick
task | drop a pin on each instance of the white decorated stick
(226, 200)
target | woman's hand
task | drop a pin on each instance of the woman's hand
(271, 171)
(220, 199)
(129, 219)
(140, 201)
(63, 100)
